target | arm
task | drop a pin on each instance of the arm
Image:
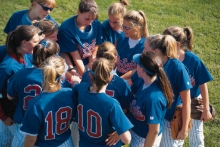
(125, 137)
(78, 61)
(152, 135)
(30, 141)
(186, 110)
(92, 58)
(206, 115)
(128, 74)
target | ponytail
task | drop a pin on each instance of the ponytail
(144, 27)
(52, 68)
(153, 64)
(182, 35)
(43, 50)
(101, 72)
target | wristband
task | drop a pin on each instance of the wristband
(70, 69)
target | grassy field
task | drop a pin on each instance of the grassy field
(202, 15)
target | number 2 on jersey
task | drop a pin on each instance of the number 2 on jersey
(90, 115)
(36, 88)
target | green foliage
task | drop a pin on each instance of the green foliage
(202, 15)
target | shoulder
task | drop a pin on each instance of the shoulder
(191, 56)
(68, 23)
(96, 23)
(20, 13)
(105, 23)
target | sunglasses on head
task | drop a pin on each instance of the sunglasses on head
(126, 27)
(45, 8)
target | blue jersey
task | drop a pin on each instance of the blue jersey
(71, 39)
(125, 61)
(24, 89)
(117, 88)
(148, 107)
(98, 116)
(9, 67)
(179, 80)
(108, 33)
(48, 117)
(3, 52)
(21, 18)
(198, 73)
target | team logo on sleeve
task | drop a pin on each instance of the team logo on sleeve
(86, 49)
(135, 110)
(192, 80)
(124, 65)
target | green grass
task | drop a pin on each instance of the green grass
(202, 15)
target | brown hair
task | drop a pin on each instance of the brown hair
(152, 62)
(52, 68)
(101, 68)
(43, 50)
(51, 3)
(182, 35)
(118, 8)
(165, 43)
(89, 6)
(48, 27)
(138, 18)
(108, 51)
(15, 38)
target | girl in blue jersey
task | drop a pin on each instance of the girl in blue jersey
(153, 97)
(117, 88)
(199, 76)
(79, 37)
(99, 114)
(39, 9)
(135, 30)
(24, 89)
(48, 27)
(112, 27)
(19, 42)
(51, 111)
(165, 47)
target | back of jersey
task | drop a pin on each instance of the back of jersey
(51, 114)
(97, 115)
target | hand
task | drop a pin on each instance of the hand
(75, 80)
(8, 121)
(206, 116)
(182, 135)
(112, 139)
(73, 72)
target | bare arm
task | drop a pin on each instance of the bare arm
(125, 137)
(128, 74)
(30, 141)
(186, 110)
(206, 115)
(78, 61)
(92, 58)
(152, 135)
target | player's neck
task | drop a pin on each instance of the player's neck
(32, 16)
(181, 54)
(149, 80)
(94, 88)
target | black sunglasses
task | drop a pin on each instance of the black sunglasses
(126, 27)
(46, 8)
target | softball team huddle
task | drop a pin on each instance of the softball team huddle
(89, 84)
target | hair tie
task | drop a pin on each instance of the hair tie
(12, 35)
(36, 24)
(44, 43)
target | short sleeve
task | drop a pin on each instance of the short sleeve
(12, 86)
(119, 121)
(32, 120)
(153, 111)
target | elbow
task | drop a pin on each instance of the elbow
(126, 137)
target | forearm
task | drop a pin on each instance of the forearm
(30, 141)
(128, 74)
(151, 136)
(186, 109)
(67, 59)
(93, 57)
(205, 96)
